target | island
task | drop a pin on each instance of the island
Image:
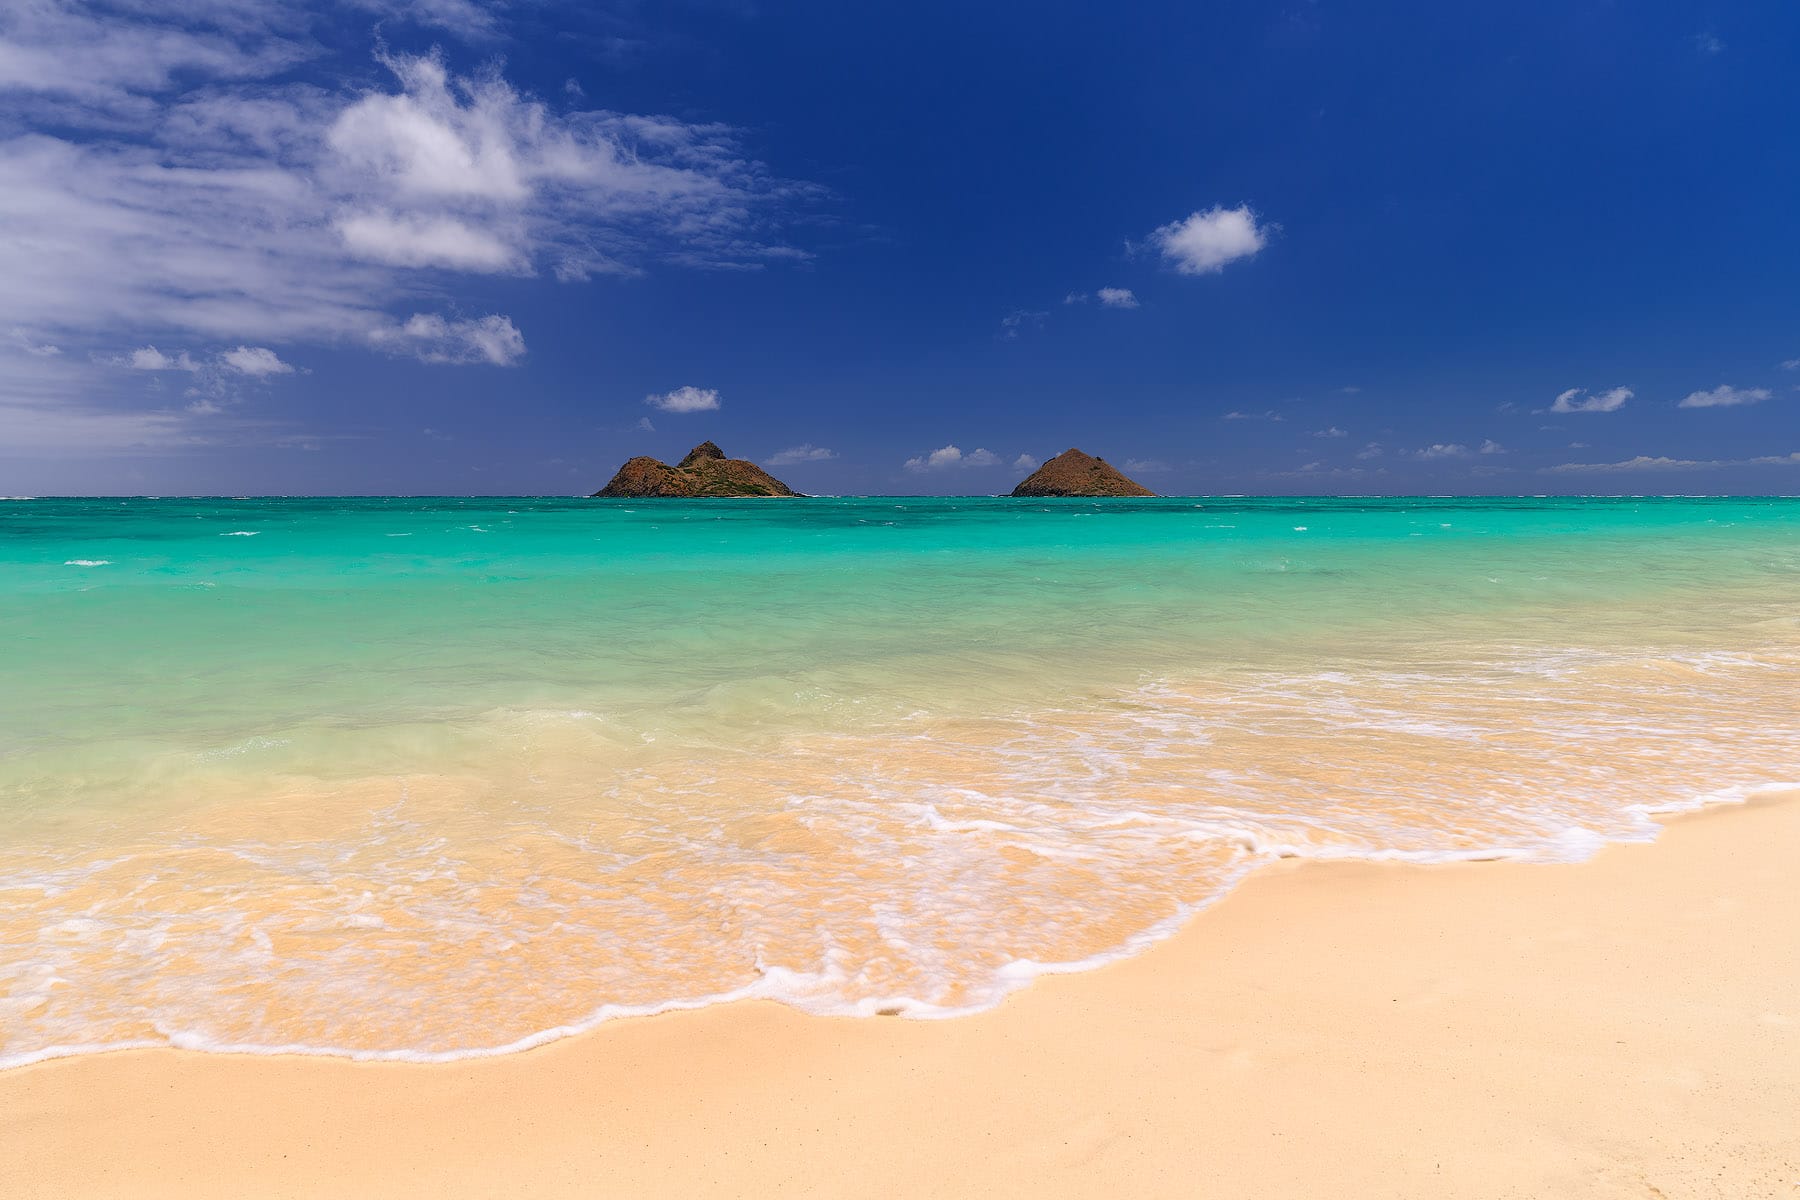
(1073, 473)
(705, 472)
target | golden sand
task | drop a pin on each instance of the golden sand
(1626, 1027)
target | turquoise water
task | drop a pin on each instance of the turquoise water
(295, 772)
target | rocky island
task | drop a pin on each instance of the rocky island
(1073, 473)
(705, 472)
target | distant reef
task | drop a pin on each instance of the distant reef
(1073, 473)
(705, 472)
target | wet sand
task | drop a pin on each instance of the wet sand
(1626, 1027)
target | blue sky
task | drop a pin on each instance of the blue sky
(438, 246)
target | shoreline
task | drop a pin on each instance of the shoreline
(1483, 1029)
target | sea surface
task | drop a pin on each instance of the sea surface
(428, 778)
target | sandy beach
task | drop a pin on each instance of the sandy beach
(1625, 1027)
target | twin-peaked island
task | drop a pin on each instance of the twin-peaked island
(706, 472)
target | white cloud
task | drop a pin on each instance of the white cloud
(806, 452)
(256, 361)
(1372, 450)
(949, 456)
(149, 358)
(1018, 319)
(645, 425)
(1332, 432)
(1645, 462)
(1708, 44)
(685, 400)
(1577, 400)
(1145, 466)
(162, 180)
(413, 241)
(1076, 298)
(494, 340)
(22, 339)
(1268, 414)
(1206, 241)
(1112, 297)
(1725, 396)
(1490, 446)
(1442, 450)
(1026, 463)
(1792, 364)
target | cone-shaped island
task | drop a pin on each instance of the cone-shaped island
(1073, 473)
(705, 472)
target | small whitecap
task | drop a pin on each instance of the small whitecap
(1299, 529)
(241, 533)
(87, 562)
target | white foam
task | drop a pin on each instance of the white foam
(88, 562)
(241, 533)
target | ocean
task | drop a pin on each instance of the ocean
(431, 778)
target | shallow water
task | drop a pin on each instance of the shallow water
(424, 778)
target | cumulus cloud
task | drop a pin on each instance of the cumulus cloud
(1490, 446)
(1725, 396)
(1112, 297)
(1026, 463)
(949, 456)
(806, 452)
(1372, 450)
(1792, 364)
(1332, 432)
(163, 178)
(685, 400)
(259, 362)
(1076, 298)
(1577, 400)
(1206, 241)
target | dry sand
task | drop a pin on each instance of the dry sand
(1626, 1027)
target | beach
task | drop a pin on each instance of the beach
(1622, 1027)
(904, 846)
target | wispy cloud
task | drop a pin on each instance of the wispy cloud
(1145, 466)
(1205, 242)
(804, 453)
(1332, 432)
(1268, 414)
(1020, 319)
(946, 457)
(685, 400)
(1490, 446)
(1442, 450)
(1645, 462)
(163, 179)
(1725, 396)
(1577, 400)
(1113, 297)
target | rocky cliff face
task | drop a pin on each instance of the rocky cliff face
(705, 472)
(1073, 473)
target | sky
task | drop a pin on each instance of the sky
(1301, 247)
